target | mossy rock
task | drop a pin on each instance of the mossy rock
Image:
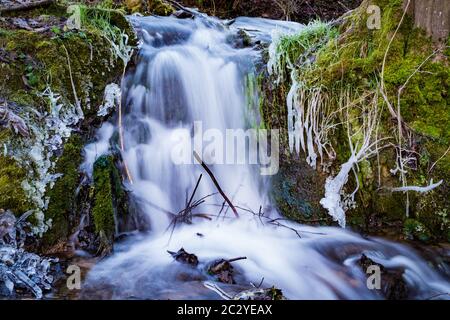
(156, 7)
(295, 192)
(36, 60)
(12, 195)
(110, 198)
(159, 7)
(63, 201)
(42, 59)
(103, 210)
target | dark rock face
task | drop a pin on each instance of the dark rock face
(393, 286)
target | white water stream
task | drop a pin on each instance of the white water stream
(188, 70)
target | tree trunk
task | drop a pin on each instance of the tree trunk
(433, 16)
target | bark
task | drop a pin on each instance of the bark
(433, 16)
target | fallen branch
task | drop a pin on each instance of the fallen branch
(121, 139)
(211, 175)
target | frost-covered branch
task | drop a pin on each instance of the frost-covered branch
(364, 148)
(428, 188)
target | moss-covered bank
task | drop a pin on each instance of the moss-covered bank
(395, 67)
(49, 72)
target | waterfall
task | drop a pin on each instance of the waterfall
(186, 91)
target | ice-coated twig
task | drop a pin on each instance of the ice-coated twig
(216, 289)
(362, 150)
(428, 188)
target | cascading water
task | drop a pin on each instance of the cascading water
(189, 71)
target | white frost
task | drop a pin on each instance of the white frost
(36, 152)
(111, 99)
(96, 149)
(333, 190)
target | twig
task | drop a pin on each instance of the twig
(383, 66)
(77, 102)
(428, 188)
(437, 295)
(445, 153)
(236, 259)
(121, 139)
(260, 284)
(211, 175)
(195, 190)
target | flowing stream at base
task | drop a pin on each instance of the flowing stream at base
(191, 70)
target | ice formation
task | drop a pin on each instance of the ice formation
(111, 98)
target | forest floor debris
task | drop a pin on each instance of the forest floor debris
(184, 257)
(223, 270)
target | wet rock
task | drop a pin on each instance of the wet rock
(184, 257)
(183, 14)
(241, 40)
(393, 286)
(222, 270)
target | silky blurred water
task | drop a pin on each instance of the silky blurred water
(192, 70)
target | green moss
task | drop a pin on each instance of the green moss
(63, 194)
(160, 7)
(37, 60)
(157, 7)
(42, 60)
(103, 210)
(12, 195)
(413, 229)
